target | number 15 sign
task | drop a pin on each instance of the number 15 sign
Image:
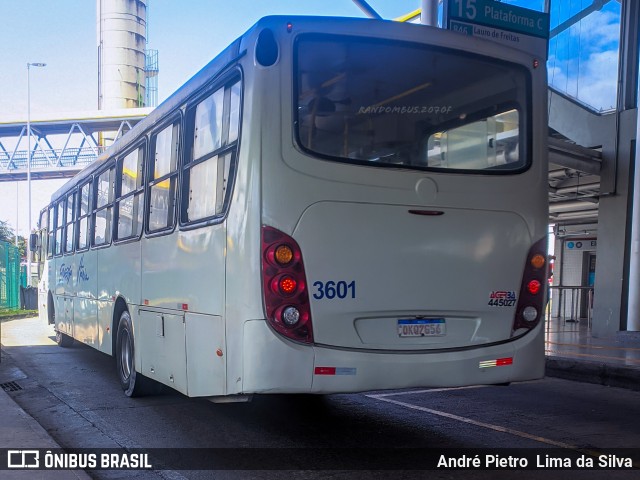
(517, 27)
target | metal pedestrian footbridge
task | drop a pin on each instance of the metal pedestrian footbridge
(61, 145)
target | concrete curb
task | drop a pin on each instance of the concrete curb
(18, 316)
(19, 430)
(594, 372)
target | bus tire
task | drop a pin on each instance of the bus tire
(132, 382)
(63, 340)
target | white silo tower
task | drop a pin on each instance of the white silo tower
(121, 53)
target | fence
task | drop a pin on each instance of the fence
(9, 276)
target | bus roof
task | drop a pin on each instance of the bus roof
(348, 25)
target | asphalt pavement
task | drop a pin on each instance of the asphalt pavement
(572, 354)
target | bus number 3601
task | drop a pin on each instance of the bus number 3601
(331, 290)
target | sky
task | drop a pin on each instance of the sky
(188, 34)
(62, 34)
(590, 75)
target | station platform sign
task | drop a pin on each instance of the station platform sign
(517, 27)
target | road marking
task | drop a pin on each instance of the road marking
(476, 423)
(497, 428)
(594, 347)
(565, 353)
(430, 390)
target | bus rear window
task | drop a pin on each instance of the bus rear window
(410, 106)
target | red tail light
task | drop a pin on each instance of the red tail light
(286, 300)
(285, 285)
(532, 296)
(534, 287)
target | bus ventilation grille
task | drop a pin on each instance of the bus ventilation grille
(10, 387)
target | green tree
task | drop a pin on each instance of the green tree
(22, 246)
(7, 234)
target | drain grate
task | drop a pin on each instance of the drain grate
(10, 387)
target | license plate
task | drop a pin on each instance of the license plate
(422, 327)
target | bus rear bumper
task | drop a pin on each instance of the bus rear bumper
(278, 366)
(349, 371)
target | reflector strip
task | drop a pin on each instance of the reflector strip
(335, 371)
(325, 371)
(499, 362)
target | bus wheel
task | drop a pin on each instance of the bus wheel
(63, 340)
(131, 381)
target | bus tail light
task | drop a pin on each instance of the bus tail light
(533, 287)
(286, 299)
(531, 304)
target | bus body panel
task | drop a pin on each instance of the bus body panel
(243, 286)
(360, 371)
(161, 340)
(289, 367)
(105, 319)
(487, 226)
(348, 371)
(194, 262)
(63, 295)
(383, 255)
(64, 314)
(388, 264)
(43, 298)
(86, 306)
(205, 348)
(85, 323)
(310, 179)
(119, 272)
(170, 343)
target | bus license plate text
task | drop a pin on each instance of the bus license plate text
(422, 327)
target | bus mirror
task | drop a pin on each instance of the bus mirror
(33, 242)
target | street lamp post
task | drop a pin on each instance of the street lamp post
(17, 211)
(29, 65)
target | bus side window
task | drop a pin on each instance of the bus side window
(209, 166)
(41, 250)
(59, 228)
(102, 213)
(51, 233)
(69, 223)
(234, 112)
(163, 178)
(207, 135)
(83, 216)
(130, 195)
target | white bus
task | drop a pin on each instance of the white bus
(330, 205)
